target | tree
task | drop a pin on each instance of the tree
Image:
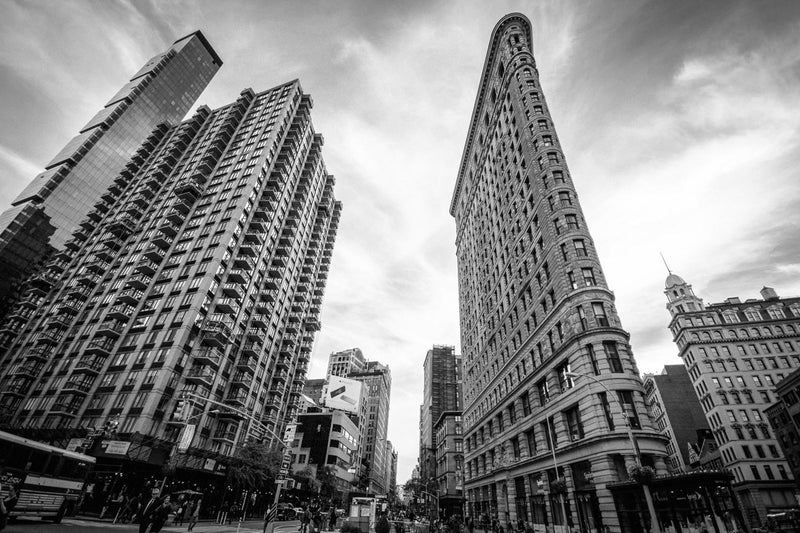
(327, 481)
(253, 466)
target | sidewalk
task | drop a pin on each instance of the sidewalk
(203, 526)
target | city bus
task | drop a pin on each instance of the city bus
(49, 480)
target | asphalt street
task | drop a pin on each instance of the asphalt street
(93, 526)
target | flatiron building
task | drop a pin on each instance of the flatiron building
(535, 308)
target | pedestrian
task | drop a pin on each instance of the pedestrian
(223, 513)
(305, 519)
(161, 514)
(332, 520)
(188, 510)
(7, 505)
(194, 516)
(177, 520)
(382, 525)
(233, 513)
(146, 516)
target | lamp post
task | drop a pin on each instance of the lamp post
(632, 438)
(562, 497)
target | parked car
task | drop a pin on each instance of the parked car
(285, 511)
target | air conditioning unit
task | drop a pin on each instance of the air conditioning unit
(576, 436)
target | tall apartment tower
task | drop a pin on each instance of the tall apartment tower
(200, 271)
(441, 372)
(736, 352)
(534, 308)
(46, 213)
(677, 413)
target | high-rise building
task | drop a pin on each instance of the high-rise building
(327, 440)
(46, 213)
(392, 482)
(535, 310)
(343, 363)
(376, 380)
(735, 353)
(195, 280)
(784, 417)
(449, 473)
(441, 391)
(677, 413)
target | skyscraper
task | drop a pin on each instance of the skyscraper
(198, 277)
(535, 310)
(441, 386)
(46, 213)
(677, 413)
(736, 352)
(376, 380)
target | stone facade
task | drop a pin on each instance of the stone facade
(535, 308)
(735, 353)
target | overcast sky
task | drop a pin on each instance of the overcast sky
(679, 121)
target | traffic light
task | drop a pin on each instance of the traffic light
(180, 410)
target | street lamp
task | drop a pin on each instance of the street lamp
(637, 454)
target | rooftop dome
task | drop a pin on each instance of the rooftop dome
(673, 279)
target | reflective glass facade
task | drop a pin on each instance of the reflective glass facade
(163, 91)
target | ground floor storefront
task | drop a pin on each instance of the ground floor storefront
(684, 503)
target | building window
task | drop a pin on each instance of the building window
(626, 399)
(588, 276)
(582, 317)
(564, 380)
(593, 359)
(572, 417)
(599, 314)
(544, 392)
(607, 410)
(612, 354)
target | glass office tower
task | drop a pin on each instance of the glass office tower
(44, 215)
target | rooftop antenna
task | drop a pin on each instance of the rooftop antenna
(665, 262)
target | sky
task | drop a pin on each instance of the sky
(679, 121)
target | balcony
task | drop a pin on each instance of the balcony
(244, 263)
(44, 280)
(76, 385)
(268, 297)
(169, 228)
(251, 349)
(111, 328)
(39, 353)
(89, 279)
(51, 336)
(246, 364)
(78, 292)
(69, 409)
(208, 356)
(227, 305)
(29, 369)
(100, 347)
(236, 399)
(97, 265)
(238, 275)
(260, 320)
(139, 281)
(216, 334)
(253, 238)
(241, 379)
(89, 365)
(232, 290)
(189, 190)
(121, 312)
(201, 376)
(175, 217)
(280, 377)
(256, 225)
(155, 254)
(163, 241)
(248, 250)
(130, 296)
(146, 266)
